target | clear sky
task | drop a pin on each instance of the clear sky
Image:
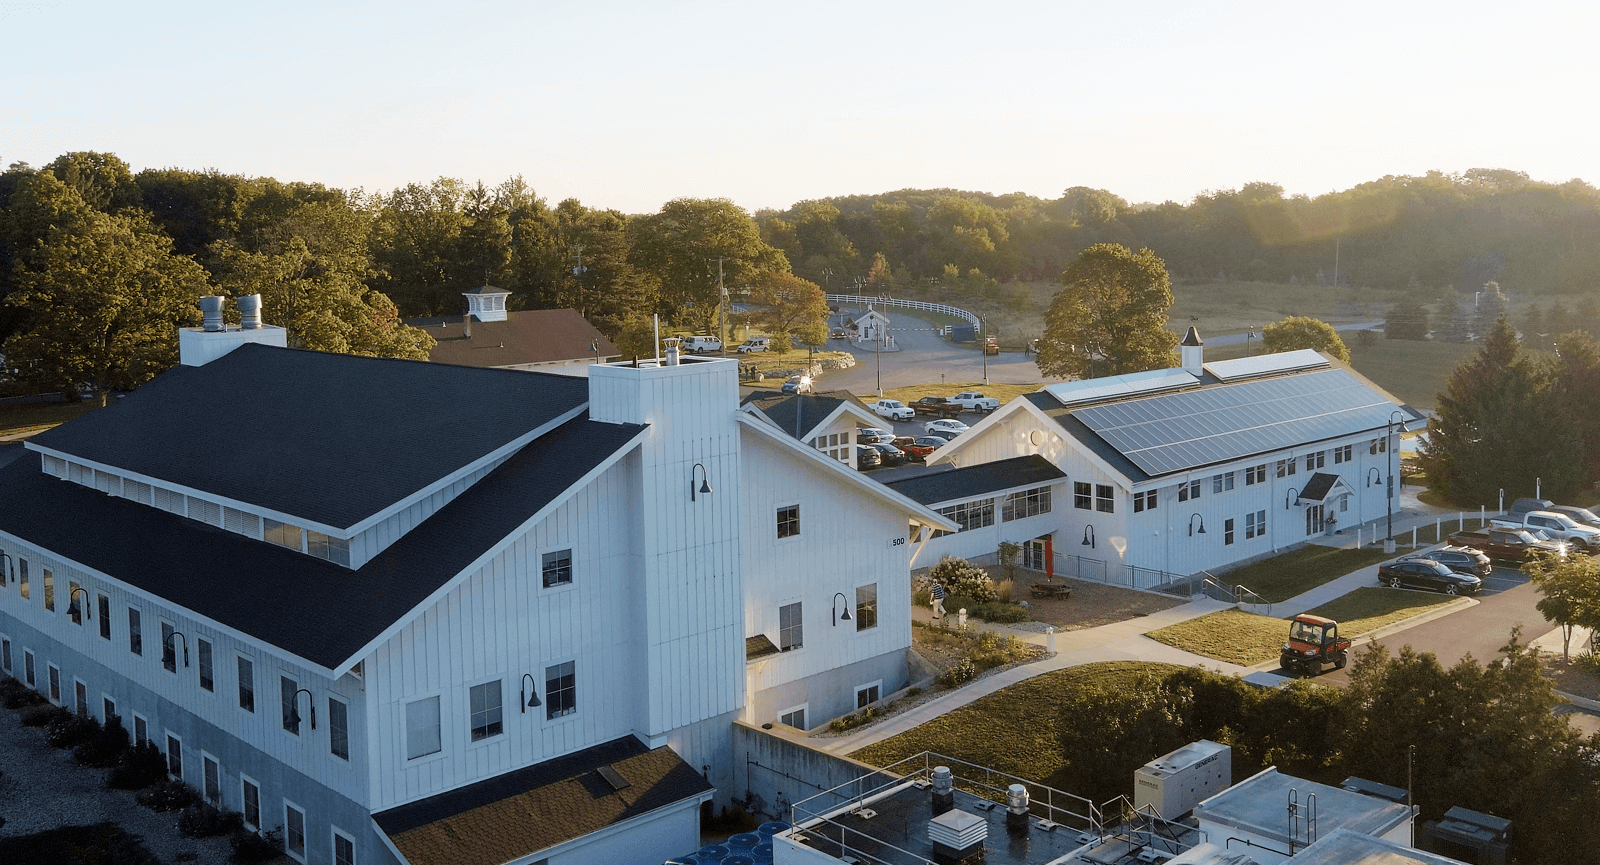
(630, 104)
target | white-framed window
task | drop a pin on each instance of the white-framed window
(422, 728)
(486, 719)
(791, 627)
(54, 677)
(836, 445)
(1344, 504)
(1286, 467)
(5, 654)
(74, 606)
(968, 515)
(560, 689)
(556, 568)
(336, 550)
(788, 521)
(1103, 501)
(1221, 483)
(866, 607)
(80, 697)
(22, 579)
(203, 653)
(282, 534)
(1144, 501)
(294, 831)
(338, 728)
(344, 848)
(795, 717)
(250, 802)
(868, 694)
(1027, 503)
(1081, 495)
(1378, 446)
(1316, 460)
(1227, 532)
(289, 699)
(49, 589)
(1342, 454)
(1188, 490)
(27, 669)
(1255, 525)
(1255, 475)
(108, 709)
(103, 607)
(141, 729)
(210, 779)
(174, 755)
(247, 683)
(135, 632)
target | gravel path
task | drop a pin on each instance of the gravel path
(43, 788)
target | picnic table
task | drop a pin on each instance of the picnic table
(1054, 591)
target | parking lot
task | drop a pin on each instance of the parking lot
(914, 428)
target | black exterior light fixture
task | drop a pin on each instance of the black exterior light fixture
(705, 483)
(1374, 471)
(838, 616)
(168, 652)
(72, 604)
(1388, 431)
(1088, 536)
(1292, 496)
(294, 711)
(524, 697)
(1191, 524)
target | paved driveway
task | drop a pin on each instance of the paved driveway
(924, 357)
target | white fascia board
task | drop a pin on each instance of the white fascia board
(948, 452)
(261, 645)
(921, 513)
(499, 546)
(499, 453)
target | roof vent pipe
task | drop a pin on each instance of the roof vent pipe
(944, 793)
(211, 310)
(1017, 807)
(249, 311)
(466, 325)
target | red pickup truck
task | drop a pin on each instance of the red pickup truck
(1507, 545)
(937, 406)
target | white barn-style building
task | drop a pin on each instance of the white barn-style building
(412, 612)
(1176, 471)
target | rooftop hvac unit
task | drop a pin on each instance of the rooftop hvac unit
(1177, 782)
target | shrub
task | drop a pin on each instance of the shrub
(1005, 592)
(205, 820)
(71, 731)
(1000, 613)
(21, 697)
(42, 715)
(1007, 554)
(169, 795)
(961, 673)
(106, 747)
(139, 767)
(963, 579)
(922, 597)
(253, 847)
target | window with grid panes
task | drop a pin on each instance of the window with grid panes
(1341, 454)
(1255, 475)
(203, 653)
(211, 779)
(103, 605)
(338, 729)
(795, 719)
(791, 628)
(1316, 460)
(80, 693)
(561, 689)
(1221, 482)
(1080, 496)
(174, 757)
(49, 590)
(1286, 467)
(1188, 490)
(1227, 532)
(557, 569)
(486, 718)
(22, 579)
(789, 521)
(1024, 504)
(1144, 501)
(55, 684)
(866, 607)
(247, 684)
(135, 633)
(1103, 501)
(294, 832)
(344, 850)
(250, 794)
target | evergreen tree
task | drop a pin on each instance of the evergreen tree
(1491, 305)
(1536, 332)
(1407, 319)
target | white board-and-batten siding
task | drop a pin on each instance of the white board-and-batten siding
(366, 545)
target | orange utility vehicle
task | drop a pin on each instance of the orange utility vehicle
(1314, 646)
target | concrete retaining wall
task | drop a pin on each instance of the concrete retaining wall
(778, 768)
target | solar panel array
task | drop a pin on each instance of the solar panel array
(1128, 384)
(1266, 364)
(1174, 432)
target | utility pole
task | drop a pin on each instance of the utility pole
(1336, 262)
(578, 271)
(983, 346)
(722, 302)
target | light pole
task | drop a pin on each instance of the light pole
(1249, 340)
(1388, 432)
(983, 345)
(877, 352)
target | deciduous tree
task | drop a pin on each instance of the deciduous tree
(1407, 319)
(1110, 317)
(787, 308)
(1571, 593)
(1302, 331)
(680, 246)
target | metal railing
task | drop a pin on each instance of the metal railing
(946, 309)
(1125, 575)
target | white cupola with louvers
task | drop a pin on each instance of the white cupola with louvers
(487, 303)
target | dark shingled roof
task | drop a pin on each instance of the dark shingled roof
(1317, 488)
(329, 438)
(529, 336)
(758, 646)
(526, 810)
(964, 483)
(312, 608)
(784, 408)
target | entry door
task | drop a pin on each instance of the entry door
(1033, 554)
(1314, 520)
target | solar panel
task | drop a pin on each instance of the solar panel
(1163, 434)
(1266, 364)
(1111, 387)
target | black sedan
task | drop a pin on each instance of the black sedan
(867, 457)
(1427, 574)
(942, 433)
(890, 455)
(1462, 560)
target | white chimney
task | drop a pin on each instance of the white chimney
(198, 346)
(249, 311)
(1193, 352)
(211, 310)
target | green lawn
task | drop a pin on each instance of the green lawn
(1283, 577)
(36, 417)
(1011, 730)
(1371, 608)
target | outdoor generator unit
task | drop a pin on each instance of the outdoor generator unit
(1175, 783)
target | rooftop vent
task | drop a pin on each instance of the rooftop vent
(616, 781)
(211, 310)
(249, 311)
(944, 793)
(956, 834)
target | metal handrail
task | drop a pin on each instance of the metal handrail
(1240, 591)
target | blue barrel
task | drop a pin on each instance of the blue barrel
(712, 853)
(739, 859)
(742, 842)
(773, 828)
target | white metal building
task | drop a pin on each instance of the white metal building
(389, 605)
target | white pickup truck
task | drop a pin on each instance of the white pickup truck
(973, 401)
(893, 409)
(1558, 526)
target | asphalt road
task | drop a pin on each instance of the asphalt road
(924, 357)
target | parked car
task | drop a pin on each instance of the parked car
(799, 384)
(921, 446)
(890, 455)
(867, 457)
(937, 406)
(1427, 574)
(945, 434)
(971, 400)
(758, 343)
(701, 344)
(1581, 516)
(1510, 545)
(1558, 526)
(838, 333)
(946, 425)
(871, 435)
(893, 409)
(1522, 506)
(1462, 560)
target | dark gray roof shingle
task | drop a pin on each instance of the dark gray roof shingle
(805, 411)
(965, 483)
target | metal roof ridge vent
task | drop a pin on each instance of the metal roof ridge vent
(211, 312)
(957, 834)
(249, 311)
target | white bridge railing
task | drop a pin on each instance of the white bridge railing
(862, 300)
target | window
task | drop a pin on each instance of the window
(1316, 460)
(289, 691)
(1221, 482)
(294, 831)
(211, 779)
(557, 569)
(1255, 475)
(1102, 499)
(282, 534)
(247, 684)
(250, 795)
(80, 695)
(1144, 501)
(1080, 495)
(789, 521)
(1027, 503)
(174, 757)
(135, 636)
(22, 578)
(1341, 455)
(795, 718)
(866, 607)
(560, 689)
(5, 655)
(338, 729)
(1255, 525)
(49, 590)
(791, 628)
(1378, 446)
(74, 609)
(336, 550)
(1188, 490)
(203, 650)
(422, 728)
(486, 717)
(141, 730)
(169, 648)
(1227, 532)
(108, 709)
(103, 607)
(867, 695)
(968, 515)
(1286, 467)
(55, 684)
(27, 669)
(344, 849)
